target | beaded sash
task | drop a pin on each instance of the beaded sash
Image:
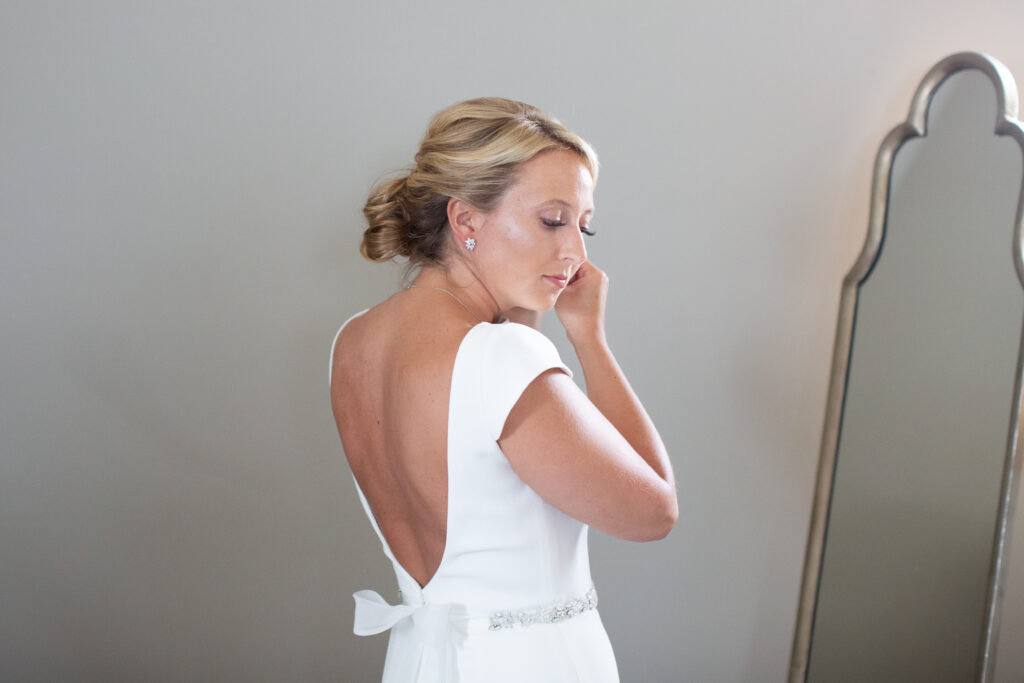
(540, 615)
(544, 615)
(438, 628)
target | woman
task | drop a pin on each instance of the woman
(477, 458)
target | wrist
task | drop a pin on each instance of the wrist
(582, 340)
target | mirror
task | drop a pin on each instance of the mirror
(919, 455)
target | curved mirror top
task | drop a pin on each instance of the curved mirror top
(928, 407)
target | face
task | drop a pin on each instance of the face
(532, 243)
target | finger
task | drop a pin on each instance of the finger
(581, 271)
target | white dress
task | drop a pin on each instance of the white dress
(512, 599)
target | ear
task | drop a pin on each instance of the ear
(463, 218)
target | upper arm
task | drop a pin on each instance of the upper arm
(564, 448)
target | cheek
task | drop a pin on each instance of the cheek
(515, 236)
(517, 246)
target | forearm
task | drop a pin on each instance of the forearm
(609, 390)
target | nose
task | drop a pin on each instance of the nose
(574, 250)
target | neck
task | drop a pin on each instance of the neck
(464, 284)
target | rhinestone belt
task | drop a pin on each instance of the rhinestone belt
(544, 615)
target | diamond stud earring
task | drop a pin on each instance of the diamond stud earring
(470, 243)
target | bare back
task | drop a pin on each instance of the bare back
(390, 389)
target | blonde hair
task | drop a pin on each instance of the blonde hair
(472, 151)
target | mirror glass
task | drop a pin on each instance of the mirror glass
(928, 407)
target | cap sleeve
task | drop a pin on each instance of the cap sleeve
(514, 356)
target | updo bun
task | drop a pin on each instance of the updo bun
(471, 151)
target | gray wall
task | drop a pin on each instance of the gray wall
(180, 194)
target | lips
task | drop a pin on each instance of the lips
(557, 280)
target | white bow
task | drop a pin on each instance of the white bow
(433, 625)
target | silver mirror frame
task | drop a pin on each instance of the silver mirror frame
(915, 126)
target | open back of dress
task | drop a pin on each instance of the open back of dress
(512, 599)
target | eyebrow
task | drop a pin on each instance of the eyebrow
(565, 204)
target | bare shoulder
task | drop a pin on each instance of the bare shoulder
(393, 336)
(360, 338)
(357, 328)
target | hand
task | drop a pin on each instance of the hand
(524, 316)
(581, 305)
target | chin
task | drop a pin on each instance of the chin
(547, 304)
(541, 301)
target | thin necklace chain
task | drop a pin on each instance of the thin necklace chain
(449, 294)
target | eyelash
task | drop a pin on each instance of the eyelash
(585, 231)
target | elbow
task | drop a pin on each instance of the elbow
(661, 528)
(670, 521)
(662, 516)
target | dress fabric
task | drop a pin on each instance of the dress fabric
(510, 557)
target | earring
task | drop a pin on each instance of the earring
(470, 243)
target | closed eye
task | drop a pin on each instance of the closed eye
(557, 224)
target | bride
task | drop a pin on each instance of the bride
(478, 460)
